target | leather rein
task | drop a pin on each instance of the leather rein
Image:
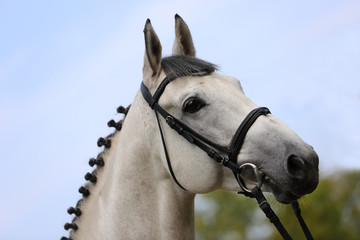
(222, 155)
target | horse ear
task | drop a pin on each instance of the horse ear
(183, 44)
(152, 56)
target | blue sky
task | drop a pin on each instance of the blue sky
(65, 66)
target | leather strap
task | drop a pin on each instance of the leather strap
(244, 127)
(297, 211)
(167, 154)
(265, 207)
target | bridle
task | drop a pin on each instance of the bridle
(222, 155)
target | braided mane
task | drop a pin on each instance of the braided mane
(99, 162)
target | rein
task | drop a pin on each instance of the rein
(222, 155)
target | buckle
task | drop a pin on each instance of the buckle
(170, 121)
(221, 160)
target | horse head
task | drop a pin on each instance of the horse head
(213, 106)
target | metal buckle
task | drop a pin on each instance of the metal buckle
(258, 175)
(222, 160)
(170, 121)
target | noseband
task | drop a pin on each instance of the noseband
(222, 155)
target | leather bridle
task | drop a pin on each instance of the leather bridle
(222, 155)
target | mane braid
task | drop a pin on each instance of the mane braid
(92, 177)
(181, 66)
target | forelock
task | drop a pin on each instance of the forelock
(181, 66)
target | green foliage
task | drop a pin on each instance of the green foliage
(229, 217)
(331, 212)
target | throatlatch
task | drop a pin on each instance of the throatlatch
(223, 155)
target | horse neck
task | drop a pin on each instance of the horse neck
(135, 197)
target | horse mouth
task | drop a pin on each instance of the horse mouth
(281, 193)
(286, 189)
(283, 196)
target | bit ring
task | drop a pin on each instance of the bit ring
(258, 175)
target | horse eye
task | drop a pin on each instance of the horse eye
(193, 105)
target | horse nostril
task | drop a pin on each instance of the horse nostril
(295, 167)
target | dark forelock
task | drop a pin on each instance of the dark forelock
(181, 66)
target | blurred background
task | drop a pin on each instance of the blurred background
(65, 66)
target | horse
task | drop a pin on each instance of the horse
(144, 182)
